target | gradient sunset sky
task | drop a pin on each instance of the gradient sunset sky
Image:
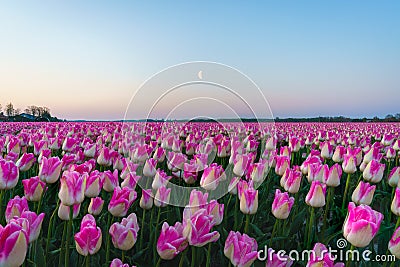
(85, 59)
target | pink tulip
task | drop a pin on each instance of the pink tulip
(111, 180)
(35, 223)
(88, 239)
(317, 172)
(273, 260)
(282, 163)
(322, 257)
(104, 158)
(39, 146)
(64, 210)
(72, 189)
(13, 245)
(395, 207)
(316, 195)
(249, 201)
(240, 249)
(146, 201)
(90, 150)
(171, 241)
(160, 179)
(363, 193)
(131, 180)
(124, 234)
(197, 229)
(373, 172)
(394, 243)
(14, 145)
(394, 177)
(372, 154)
(121, 201)
(176, 161)
(349, 164)
(291, 180)
(149, 168)
(338, 155)
(159, 154)
(334, 175)
(94, 184)
(15, 207)
(50, 169)
(95, 206)
(33, 188)
(118, 263)
(162, 197)
(69, 144)
(258, 172)
(216, 210)
(361, 224)
(211, 177)
(326, 150)
(26, 161)
(240, 164)
(282, 205)
(9, 175)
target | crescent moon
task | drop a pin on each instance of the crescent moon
(200, 75)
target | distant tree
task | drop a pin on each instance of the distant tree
(10, 109)
(397, 116)
(1, 108)
(17, 112)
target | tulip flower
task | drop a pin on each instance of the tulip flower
(211, 177)
(373, 172)
(118, 263)
(104, 158)
(64, 211)
(249, 201)
(394, 177)
(160, 179)
(326, 150)
(25, 162)
(240, 249)
(15, 207)
(197, 229)
(9, 175)
(322, 257)
(372, 154)
(146, 201)
(171, 241)
(121, 201)
(131, 180)
(363, 193)
(72, 189)
(88, 239)
(291, 180)
(338, 155)
(316, 195)
(394, 243)
(257, 172)
(317, 172)
(395, 207)
(35, 223)
(124, 234)
(50, 169)
(33, 188)
(282, 163)
(89, 150)
(95, 206)
(149, 168)
(334, 175)
(216, 210)
(241, 164)
(111, 180)
(162, 197)
(361, 224)
(349, 164)
(273, 260)
(282, 205)
(94, 184)
(13, 245)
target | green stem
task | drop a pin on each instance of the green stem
(60, 258)
(192, 264)
(183, 257)
(123, 256)
(273, 231)
(310, 227)
(246, 227)
(327, 208)
(49, 229)
(142, 230)
(155, 234)
(1, 207)
(345, 191)
(88, 260)
(158, 262)
(348, 263)
(208, 262)
(397, 223)
(71, 214)
(235, 223)
(108, 238)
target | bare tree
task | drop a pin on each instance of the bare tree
(10, 109)
(17, 112)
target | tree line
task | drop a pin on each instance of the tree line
(36, 111)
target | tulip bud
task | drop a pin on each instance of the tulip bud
(363, 193)
(146, 201)
(249, 201)
(282, 205)
(95, 206)
(33, 188)
(316, 196)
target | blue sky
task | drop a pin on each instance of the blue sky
(85, 59)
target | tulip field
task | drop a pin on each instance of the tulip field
(199, 194)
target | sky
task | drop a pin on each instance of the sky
(86, 59)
